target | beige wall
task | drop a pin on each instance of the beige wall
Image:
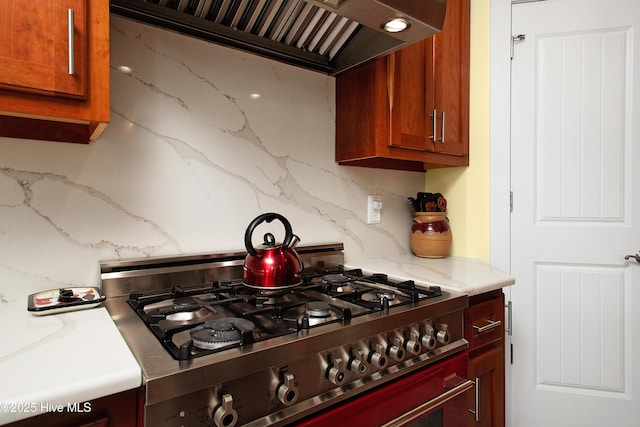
(467, 189)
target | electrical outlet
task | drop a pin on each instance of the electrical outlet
(374, 208)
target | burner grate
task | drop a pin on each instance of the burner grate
(342, 293)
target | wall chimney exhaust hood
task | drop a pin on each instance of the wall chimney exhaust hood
(329, 36)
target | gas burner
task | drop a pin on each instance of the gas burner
(273, 298)
(347, 288)
(339, 283)
(378, 296)
(318, 309)
(220, 332)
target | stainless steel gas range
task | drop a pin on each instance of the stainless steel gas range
(216, 352)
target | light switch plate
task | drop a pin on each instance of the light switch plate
(374, 208)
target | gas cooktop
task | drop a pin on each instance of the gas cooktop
(193, 321)
(216, 352)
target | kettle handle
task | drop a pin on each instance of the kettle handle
(268, 217)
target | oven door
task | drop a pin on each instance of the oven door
(435, 396)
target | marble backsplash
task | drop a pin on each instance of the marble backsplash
(189, 159)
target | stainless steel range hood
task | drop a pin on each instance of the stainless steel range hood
(329, 36)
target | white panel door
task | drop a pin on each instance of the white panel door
(575, 147)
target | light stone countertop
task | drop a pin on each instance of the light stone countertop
(471, 276)
(60, 359)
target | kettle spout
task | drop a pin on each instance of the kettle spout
(294, 241)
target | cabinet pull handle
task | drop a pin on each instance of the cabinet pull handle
(71, 46)
(434, 127)
(441, 128)
(476, 398)
(492, 324)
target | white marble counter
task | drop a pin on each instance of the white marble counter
(467, 275)
(60, 359)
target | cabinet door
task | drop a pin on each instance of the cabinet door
(410, 86)
(429, 88)
(43, 46)
(487, 369)
(450, 68)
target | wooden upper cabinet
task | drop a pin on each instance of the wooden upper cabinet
(43, 47)
(54, 56)
(410, 109)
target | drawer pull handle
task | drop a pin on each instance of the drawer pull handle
(492, 324)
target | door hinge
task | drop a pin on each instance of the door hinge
(510, 201)
(514, 39)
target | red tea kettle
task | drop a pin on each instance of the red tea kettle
(272, 265)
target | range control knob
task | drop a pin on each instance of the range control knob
(395, 350)
(377, 357)
(287, 392)
(224, 415)
(428, 340)
(356, 363)
(412, 345)
(335, 374)
(443, 334)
